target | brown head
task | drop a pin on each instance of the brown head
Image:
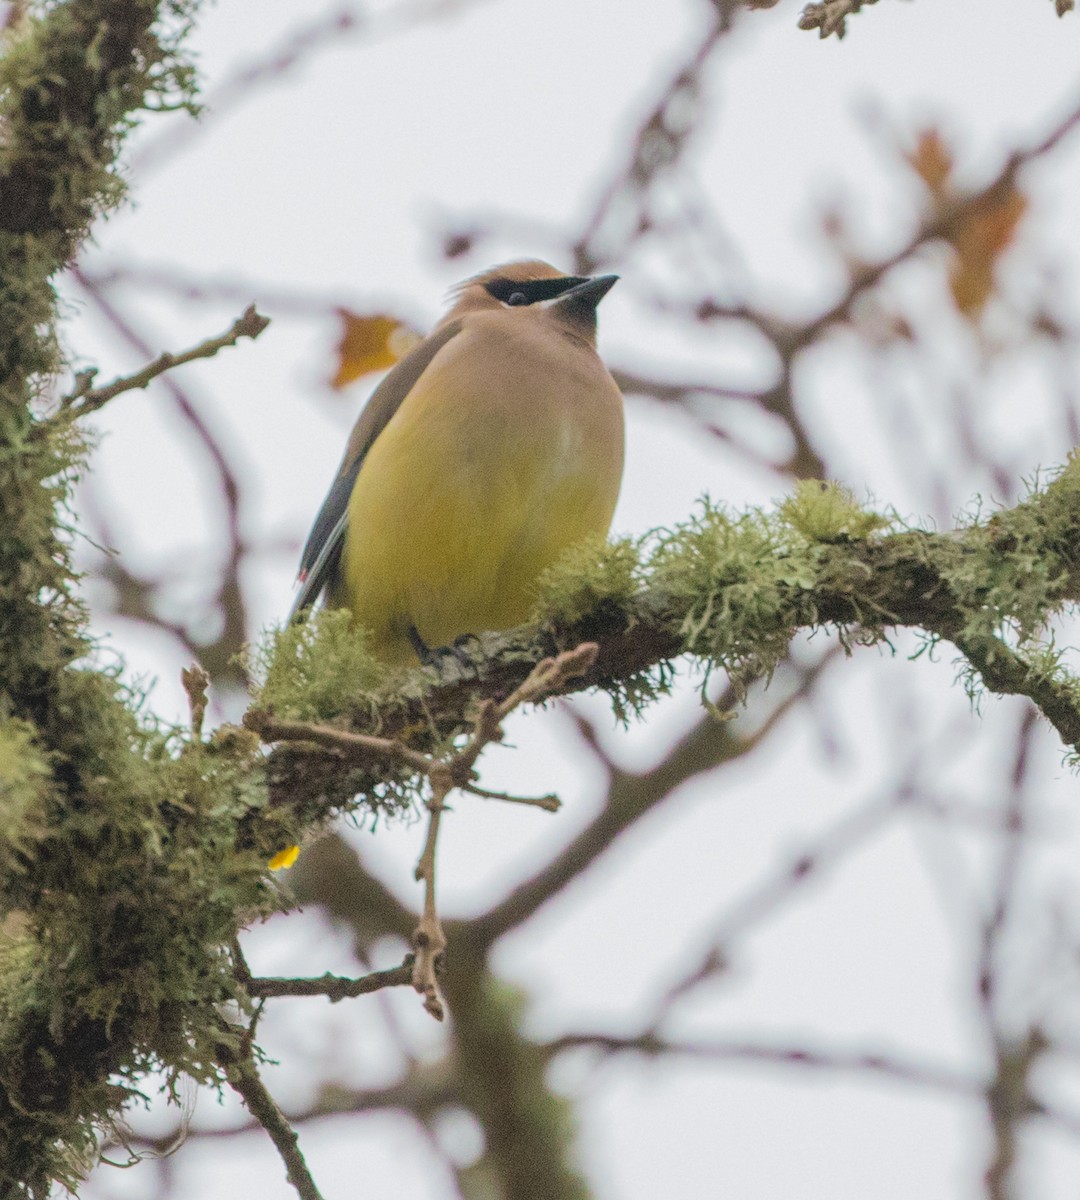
(535, 286)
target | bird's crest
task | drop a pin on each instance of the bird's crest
(523, 271)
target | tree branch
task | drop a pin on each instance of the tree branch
(733, 590)
(333, 987)
(938, 1079)
(84, 399)
(443, 774)
(244, 1080)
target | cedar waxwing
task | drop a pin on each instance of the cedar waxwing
(489, 450)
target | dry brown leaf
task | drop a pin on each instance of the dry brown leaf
(369, 344)
(979, 243)
(980, 235)
(933, 162)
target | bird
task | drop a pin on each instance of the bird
(493, 447)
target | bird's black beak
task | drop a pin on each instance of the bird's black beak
(577, 307)
(589, 293)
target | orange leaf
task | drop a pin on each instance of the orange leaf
(369, 344)
(979, 243)
(933, 162)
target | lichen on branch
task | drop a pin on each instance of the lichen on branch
(731, 590)
(116, 903)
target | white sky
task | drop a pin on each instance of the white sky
(335, 181)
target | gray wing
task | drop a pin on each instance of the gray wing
(324, 564)
(321, 559)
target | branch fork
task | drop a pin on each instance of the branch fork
(444, 774)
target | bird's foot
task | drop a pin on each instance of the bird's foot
(436, 656)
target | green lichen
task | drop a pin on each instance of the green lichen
(129, 894)
(125, 861)
(318, 669)
(591, 575)
(633, 695)
(1052, 678)
(734, 580)
(25, 786)
(828, 512)
(1020, 563)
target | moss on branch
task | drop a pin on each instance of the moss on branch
(731, 590)
(130, 854)
(136, 861)
(121, 876)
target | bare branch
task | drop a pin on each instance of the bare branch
(333, 987)
(443, 774)
(710, 743)
(657, 146)
(196, 681)
(941, 223)
(348, 745)
(1009, 1101)
(781, 887)
(938, 1079)
(549, 803)
(429, 940)
(86, 399)
(244, 1079)
(221, 656)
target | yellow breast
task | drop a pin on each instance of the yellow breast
(506, 452)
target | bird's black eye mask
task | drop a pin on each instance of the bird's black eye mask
(517, 292)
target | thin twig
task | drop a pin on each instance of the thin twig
(776, 889)
(195, 681)
(85, 399)
(333, 987)
(549, 803)
(1007, 1095)
(220, 656)
(654, 1046)
(429, 939)
(244, 1079)
(443, 774)
(351, 745)
(659, 142)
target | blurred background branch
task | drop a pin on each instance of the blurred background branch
(817, 938)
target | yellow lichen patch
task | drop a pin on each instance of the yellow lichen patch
(284, 858)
